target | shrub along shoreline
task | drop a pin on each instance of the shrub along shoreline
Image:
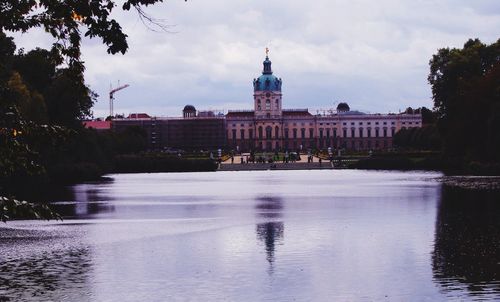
(152, 163)
(426, 162)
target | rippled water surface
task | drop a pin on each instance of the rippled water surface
(259, 236)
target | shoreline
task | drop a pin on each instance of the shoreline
(471, 182)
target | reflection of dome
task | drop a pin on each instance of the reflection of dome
(267, 81)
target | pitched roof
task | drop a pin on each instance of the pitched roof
(98, 125)
(138, 115)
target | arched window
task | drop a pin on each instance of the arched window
(269, 132)
(268, 104)
(277, 132)
(260, 132)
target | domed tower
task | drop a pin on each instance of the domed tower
(343, 107)
(267, 92)
(189, 111)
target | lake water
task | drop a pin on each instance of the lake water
(319, 235)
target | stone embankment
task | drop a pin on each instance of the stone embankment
(276, 166)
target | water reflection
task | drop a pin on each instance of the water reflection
(86, 201)
(350, 236)
(270, 233)
(467, 241)
(42, 277)
(269, 207)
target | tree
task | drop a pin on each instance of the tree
(466, 91)
(25, 138)
(20, 164)
(67, 21)
(37, 67)
(68, 99)
(425, 138)
(35, 87)
(428, 116)
(31, 104)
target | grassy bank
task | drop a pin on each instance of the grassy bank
(430, 161)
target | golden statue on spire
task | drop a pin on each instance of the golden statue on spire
(267, 51)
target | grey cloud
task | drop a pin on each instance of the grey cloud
(372, 54)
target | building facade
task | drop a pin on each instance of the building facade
(270, 127)
(191, 132)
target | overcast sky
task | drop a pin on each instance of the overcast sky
(372, 54)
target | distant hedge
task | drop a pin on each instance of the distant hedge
(432, 162)
(384, 163)
(159, 163)
(75, 172)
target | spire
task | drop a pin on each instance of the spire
(267, 64)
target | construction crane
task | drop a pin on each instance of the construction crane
(112, 96)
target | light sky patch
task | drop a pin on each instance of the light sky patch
(372, 54)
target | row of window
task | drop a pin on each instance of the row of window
(369, 132)
(268, 104)
(345, 124)
(358, 145)
(323, 133)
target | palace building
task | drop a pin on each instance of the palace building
(270, 127)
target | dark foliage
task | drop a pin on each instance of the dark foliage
(43, 94)
(425, 138)
(466, 91)
(68, 21)
(161, 163)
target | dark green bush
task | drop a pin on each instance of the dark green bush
(160, 163)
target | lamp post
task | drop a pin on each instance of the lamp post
(219, 158)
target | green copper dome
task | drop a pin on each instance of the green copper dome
(267, 81)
